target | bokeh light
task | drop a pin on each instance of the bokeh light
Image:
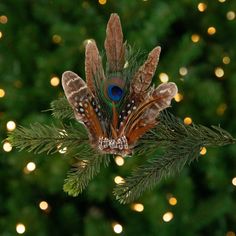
(188, 121)
(31, 166)
(211, 30)
(2, 93)
(137, 207)
(43, 205)
(7, 147)
(195, 38)
(117, 228)
(118, 180)
(219, 72)
(168, 216)
(203, 151)
(230, 15)
(20, 228)
(234, 181)
(164, 78)
(202, 6)
(178, 97)
(102, 2)
(119, 160)
(55, 81)
(183, 71)
(11, 125)
(172, 201)
(3, 19)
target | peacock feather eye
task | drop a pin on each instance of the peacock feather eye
(115, 93)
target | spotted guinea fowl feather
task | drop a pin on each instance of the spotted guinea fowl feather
(115, 49)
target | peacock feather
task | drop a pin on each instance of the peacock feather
(118, 105)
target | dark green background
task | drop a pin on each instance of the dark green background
(29, 58)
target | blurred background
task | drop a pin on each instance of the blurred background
(41, 39)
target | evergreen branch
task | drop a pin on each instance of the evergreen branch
(50, 139)
(79, 177)
(182, 144)
(61, 109)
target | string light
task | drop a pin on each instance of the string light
(230, 15)
(31, 166)
(11, 125)
(168, 216)
(56, 38)
(183, 71)
(3, 19)
(43, 205)
(211, 30)
(102, 2)
(117, 228)
(195, 38)
(178, 97)
(221, 1)
(188, 121)
(221, 109)
(172, 201)
(119, 160)
(234, 181)
(164, 78)
(219, 72)
(7, 147)
(2, 93)
(55, 81)
(0, 34)
(226, 60)
(202, 6)
(118, 180)
(20, 228)
(137, 207)
(203, 151)
(63, 150)
(230, 233)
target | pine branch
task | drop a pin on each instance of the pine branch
(79, 177)
(50, 139)
(182, 144)
(61, 109)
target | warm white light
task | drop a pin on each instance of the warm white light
(211, 30)
(230, 15)
(203, 151)
(0, 34)
(43, 205)
(118, 180)
(164, 78)
(230, 233)
(168, 216)
(117, 228)
(202, 6)
(221, 0)
(119, 161)
(31, 166)
(219, 72)
(234, 181)
(178, 97)
(55, 81)
(56, 38)
(183, 71)
(102, 2)
(20, 228)
(226, 60)
(172, 201)
(11, 125)
(3, 19)
(63, 150)
(2, 93)
(137, 207)
(7, 147)
(195, 38)
(188, 121)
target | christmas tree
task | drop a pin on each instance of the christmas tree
(39, 41)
